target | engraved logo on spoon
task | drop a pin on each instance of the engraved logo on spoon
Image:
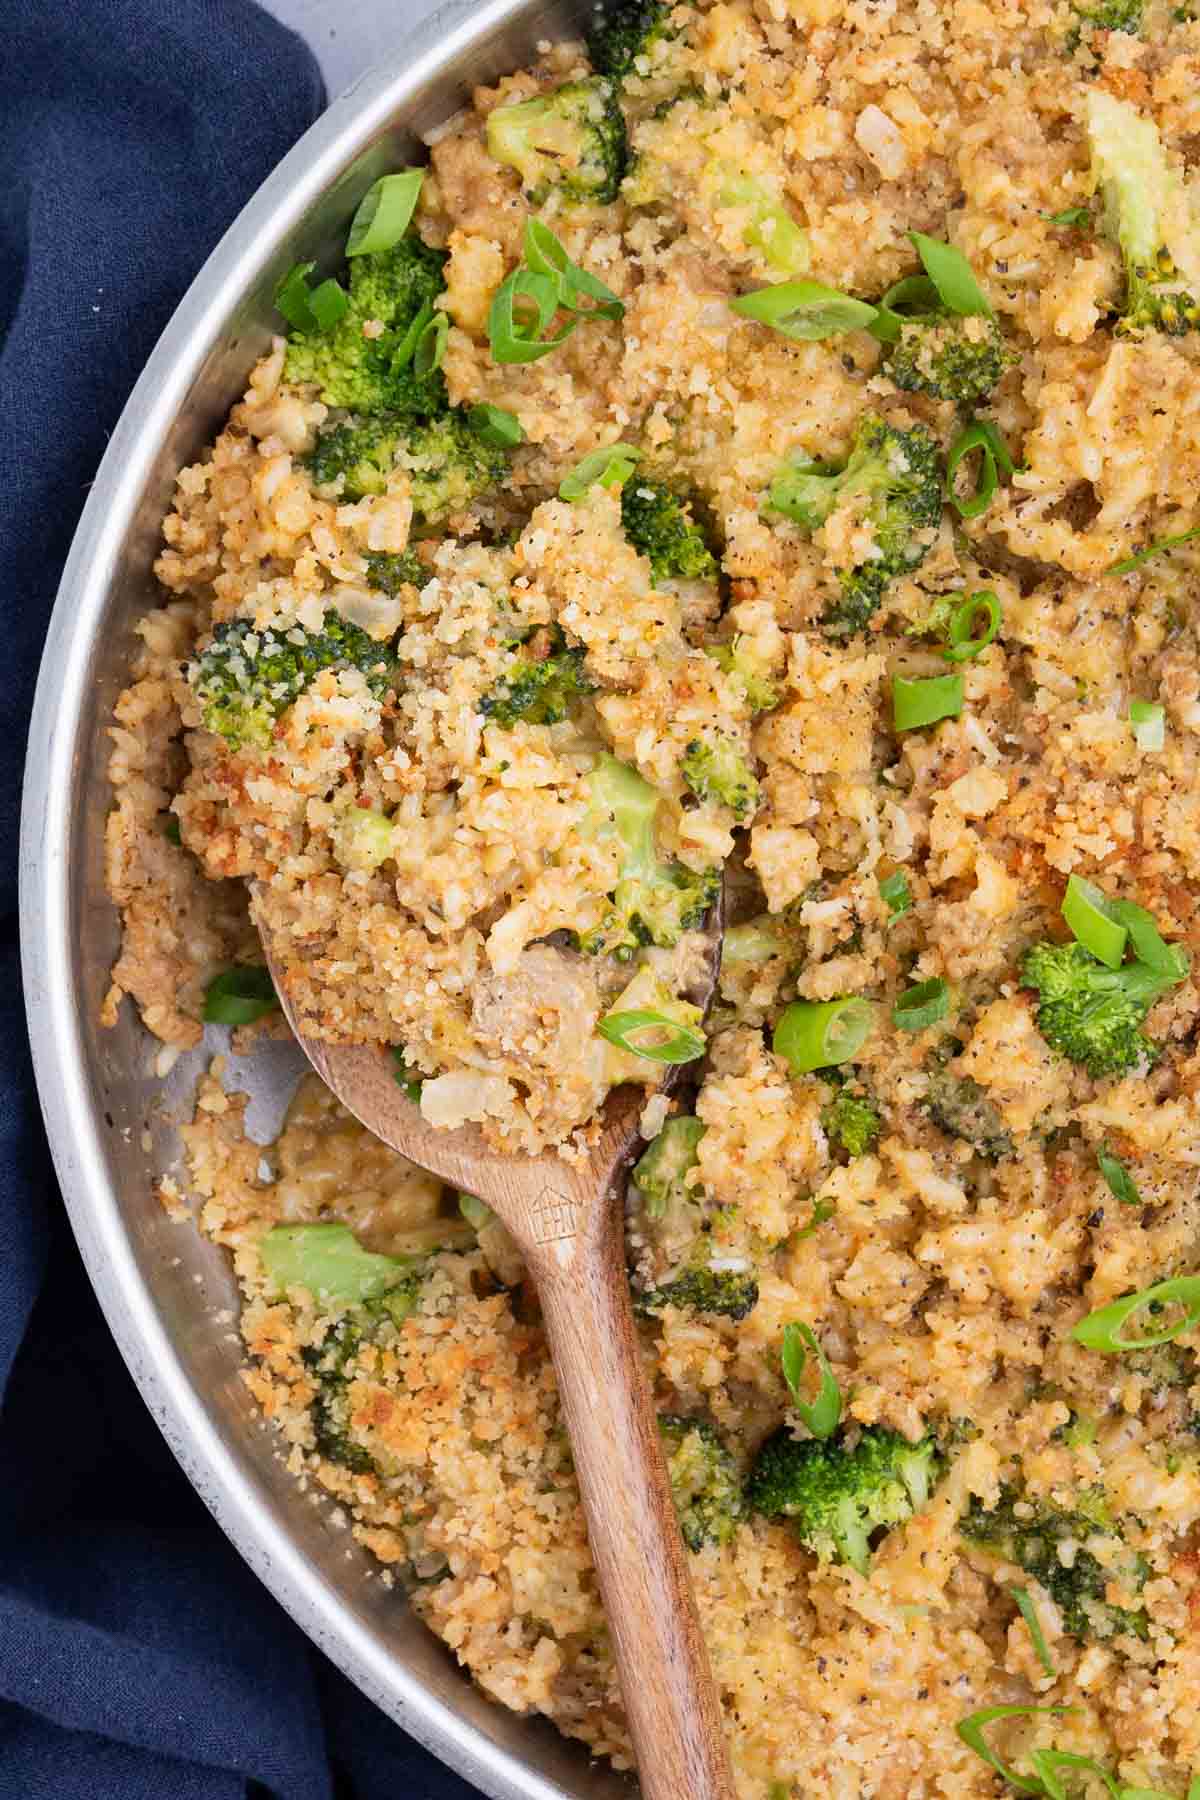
(554, 1216)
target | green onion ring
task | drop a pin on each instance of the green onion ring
(676, 1043)
(805, 310)
(611, 466)
(923, 702)
(922, 1005)
(822, 1415)
(952, 276)
(970, 1730)
(239, 995)
(819, 1034)
(1093, 921)
(518, 340)
(430, 350)
(995, 459)
(1101, 1330)
(494, 426)
(961, 646)
(384, 213)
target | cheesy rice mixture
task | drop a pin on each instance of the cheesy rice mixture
(767, 453)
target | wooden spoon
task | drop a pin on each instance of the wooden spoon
(569, 1223)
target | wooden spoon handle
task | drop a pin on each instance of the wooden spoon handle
(670, 1700)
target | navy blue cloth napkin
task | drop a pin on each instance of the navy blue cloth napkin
(139, 1658)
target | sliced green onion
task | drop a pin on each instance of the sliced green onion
(406, 349)
(405, 1077)
(952, 276)
(327, 302)
(611, 466)
(970, 1730)
(474, 1211)
(1092, 919)
(925, 701)
(805, 310)
(309, 309)
(1071, 218)
(1028, 1611)
(914, 297)
(430, 350)
(1149, 946)
(823, 1414)
(1047, 1763)
(1149, 721)
(492, 425)
(961, 646)
(291, 296)
(912, 294)
(1120, 1182)
(546, 256)
(819, 1034)
(1101, 1330)
(995, 460)
(330, 1262)
(896, 893)
(384, 213)
(239, 995)
(1130, 563)
(653, 1035)
(521, 311)
(922, 1005)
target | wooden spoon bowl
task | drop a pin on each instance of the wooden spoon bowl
(567, 1218)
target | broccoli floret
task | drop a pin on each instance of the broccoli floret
(1138, 187)
(705, 1484)
(838, 1493)
(370, 374)
(572, 140)
(1092, 1013)
(746, 672)
(388, 572)
(1110, 15)
(894, 478)
(623, 33)
(851, 1121)
(540, 685)
(655, 901)
(363, 839)
(361, 455)
(373, 1294)
(952, 356)
(717, 770)
(660, 1175)
(728, 1293)
(1048, 1543)
(769, 226)
(331, 1364)
(448, 464)
(246, 679)
(961, 1108)
(659, 526)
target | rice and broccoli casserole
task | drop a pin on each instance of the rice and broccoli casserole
(761, 448)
